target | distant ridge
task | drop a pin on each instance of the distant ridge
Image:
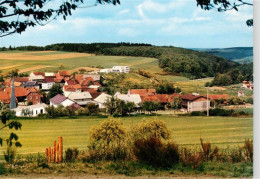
(236, 54)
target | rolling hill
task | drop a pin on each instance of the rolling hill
(236, 54)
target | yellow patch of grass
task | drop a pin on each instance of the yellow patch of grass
(25, 56)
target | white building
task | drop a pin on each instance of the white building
(135, 98)
(49, 74)
(34, 76)
(121, 69)
(34, 109)
(81, 98)
(47, 83)
(101, 99)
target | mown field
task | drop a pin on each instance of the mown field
(37, 134)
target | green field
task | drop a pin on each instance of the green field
(37, 134)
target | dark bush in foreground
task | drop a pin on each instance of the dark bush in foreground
(71, 154)
(190, 158)
(156, 153)
(2, 169)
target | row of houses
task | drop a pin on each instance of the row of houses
(116, 69)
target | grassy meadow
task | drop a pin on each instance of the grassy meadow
(37, 134)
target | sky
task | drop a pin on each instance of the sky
(177, 23)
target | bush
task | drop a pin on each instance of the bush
(150, 128)
(82, 112)
(107, 141)
(9, 155)
(154, 152)
(207, 152)
(71, 154)
(248, 150)
(2, 169)
(197, 113)
(93, 108)
(190, 158)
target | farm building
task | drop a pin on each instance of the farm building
(81, 98)
(195, 102)
(121, 69)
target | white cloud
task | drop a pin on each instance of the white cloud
(124, 11)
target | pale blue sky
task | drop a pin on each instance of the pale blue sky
(159, 22)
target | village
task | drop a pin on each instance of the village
(79, 90)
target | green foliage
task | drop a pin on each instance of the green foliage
(92, 108)
(166, 88)
(151, 106)
(54, 90)
(177, 103)
(71, 154)
(9, 155)
(30, 103)
(82, 112)
(191, 158)
(154, 152)
(145, 73)
(2, 169)
(115, 106)
(152, 127)
(107, 141)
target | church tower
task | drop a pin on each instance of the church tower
(13, 101)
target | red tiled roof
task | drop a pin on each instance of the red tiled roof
(5, 97)
(89, 78)
(78, 77)
(21, 79)
(143, 92)
(71, 88)
(58, 80)
(218, 96)
(162, 98)
(72, 82)
(97, 83)
(19, 91)
(86, 82)
(39, 73)
(49, 80)
(64, 73)
(58, 99)
(191, 97)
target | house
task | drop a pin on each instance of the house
(194, 102)
(101, 99)
(240, 94)
(135, 98)
(121, 69)
(81, 98)
(64, 74)
(142, 92)
(36, 76)
(20, 93)
(34, 109)
(33, 95)
(22, 80)
(30, 84)
(48, 83)
(67, 89)
(248, 85)
(163, 99)
(5, 97)
(60, 99)
(71, 82)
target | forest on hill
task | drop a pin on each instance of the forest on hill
(237, 54)
(173, 60)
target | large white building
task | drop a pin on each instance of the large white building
(121, 69)
(34, 109)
